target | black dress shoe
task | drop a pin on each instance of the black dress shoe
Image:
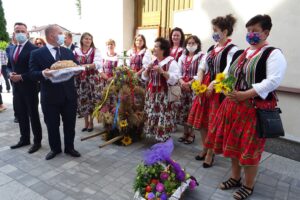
(52, 154)
(19, 144)
(34, 148)
(72, 152)
(84, 129)
(90, 129)
(16, 120)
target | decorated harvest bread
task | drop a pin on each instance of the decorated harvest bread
(62, 64)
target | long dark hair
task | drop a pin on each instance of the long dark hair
(181, 43)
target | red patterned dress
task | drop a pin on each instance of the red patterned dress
(189, 68)
(204, 108)
(159, 111)
(87, 82)
(109, 63)
(234, 127)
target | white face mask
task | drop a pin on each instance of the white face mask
(192, 49)
(21, 37)
(60, 39)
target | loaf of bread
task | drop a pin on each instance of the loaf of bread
(62, 64)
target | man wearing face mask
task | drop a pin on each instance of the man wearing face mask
(25, 90)
(57, 99)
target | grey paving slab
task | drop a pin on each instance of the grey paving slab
(108, 173)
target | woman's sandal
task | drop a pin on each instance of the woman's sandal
(183, 138)
(209, 165)
(243, 193)
(190, 139)
(198, 157)
(230, 183)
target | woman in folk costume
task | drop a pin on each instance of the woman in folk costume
(216, 60)
(189, 65)
(140, 55)
(177, 43)
(163, 71)
(88, 81)
(259, 71)
(109, 63)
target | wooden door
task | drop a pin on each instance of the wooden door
(158, 14)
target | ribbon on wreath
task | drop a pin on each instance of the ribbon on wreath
(116, 113)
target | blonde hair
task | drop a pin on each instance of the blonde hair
(110, 41)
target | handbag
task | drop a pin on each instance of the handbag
(269, 124)
(174, 93)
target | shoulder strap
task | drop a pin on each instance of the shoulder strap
(236, 55)
(223, 61)
(210, 48)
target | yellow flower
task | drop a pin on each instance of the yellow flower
(195, 85)
(226, 89)
(202, 88)
(123, 123)
(218, 87)
(126, 140)
(220, 77)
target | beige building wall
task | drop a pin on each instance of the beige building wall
(284, 35)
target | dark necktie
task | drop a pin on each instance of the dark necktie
(17, 53)
(57, 55)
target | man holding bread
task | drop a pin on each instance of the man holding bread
(57, 99)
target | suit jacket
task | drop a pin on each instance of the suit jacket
(22, 66)
(52, 93)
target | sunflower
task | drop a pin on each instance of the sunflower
(126, 140)
(202, 88)
(220, 77)
(226, 89)
(218, 87)
(195, 85)
(123, 123)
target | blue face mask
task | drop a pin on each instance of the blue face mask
(60, 39)
(21, 37)
(253, 38)
(216, 36)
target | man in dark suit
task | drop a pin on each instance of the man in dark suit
(25, 90)
(68, 43)
(57, 99)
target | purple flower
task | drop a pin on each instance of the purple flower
(180, 175)
(163, 196)
(160, 187)
(164, 176)
(192, 184)
(151, 195)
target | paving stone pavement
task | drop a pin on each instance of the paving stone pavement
(108, 173)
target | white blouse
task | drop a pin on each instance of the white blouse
(276, 66)
(173, 71)
(204, 66)
(147, 59)
(106, 57)
(97, 58)
(195, 57)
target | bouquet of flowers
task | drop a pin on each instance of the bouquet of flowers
(223, 84)
(198, 88)
(160, 177)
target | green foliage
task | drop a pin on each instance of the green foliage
(3, 45)
(229, 82)
(145, 174)
(3, 33)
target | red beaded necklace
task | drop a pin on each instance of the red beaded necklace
(214, 53)
(243, 59)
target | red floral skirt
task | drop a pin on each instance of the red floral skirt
(234, 129)
(203, 108)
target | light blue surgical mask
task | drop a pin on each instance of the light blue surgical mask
(60, 39)
(217, 36)
(21, 37)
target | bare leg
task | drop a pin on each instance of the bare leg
(90, 122)
(86, 121)
(202, 142)
(250, 174)
(235, 171)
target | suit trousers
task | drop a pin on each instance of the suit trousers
(26, 105)
(52, 113)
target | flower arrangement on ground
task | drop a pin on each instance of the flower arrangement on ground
(223, 84)
(121, 107)
(159, 177)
